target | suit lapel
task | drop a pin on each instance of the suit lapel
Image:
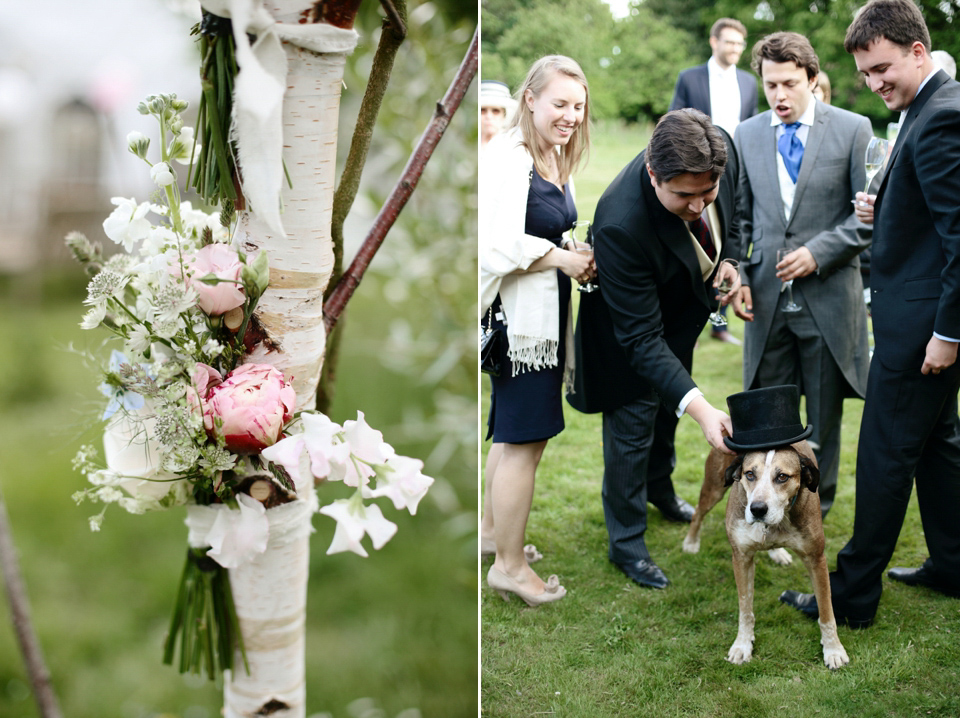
(916, 107)
(743, 80)
(672, 232)
(768, 141)
(703, 80)
(817, 132)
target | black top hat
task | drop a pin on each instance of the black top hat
(765, 418)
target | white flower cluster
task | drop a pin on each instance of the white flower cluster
(187, 419)
(353, 454)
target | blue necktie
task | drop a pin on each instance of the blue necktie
(791, 149)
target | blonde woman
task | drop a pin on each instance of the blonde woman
(526, 267)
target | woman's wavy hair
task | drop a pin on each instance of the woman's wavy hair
(539, 76)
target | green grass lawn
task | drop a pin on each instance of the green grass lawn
(398, 628)
(611, 648)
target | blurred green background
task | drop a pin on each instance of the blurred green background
(391, 635)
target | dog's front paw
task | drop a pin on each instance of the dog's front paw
(780, 556)
(691, 544)
(835, 657)
(740, 652)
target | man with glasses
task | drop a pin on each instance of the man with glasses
(724, 92)
(718, 88)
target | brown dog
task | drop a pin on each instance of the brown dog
(773, 505)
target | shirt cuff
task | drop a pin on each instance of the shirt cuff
(687, 398)
(946, 339)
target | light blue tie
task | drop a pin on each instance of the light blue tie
(791, 149)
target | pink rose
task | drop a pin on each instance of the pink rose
(223, 262)
(249, 408)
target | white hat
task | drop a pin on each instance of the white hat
(496, 94)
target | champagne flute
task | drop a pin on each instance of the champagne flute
(873, 158)
(582, 234)
(790, 306)
(716, 318)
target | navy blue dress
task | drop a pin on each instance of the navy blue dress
(528, 407)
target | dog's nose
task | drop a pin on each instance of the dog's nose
(758, 509)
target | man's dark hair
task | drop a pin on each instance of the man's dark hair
(899, 21)
(725, 22)
(686, 141)
(786, 47)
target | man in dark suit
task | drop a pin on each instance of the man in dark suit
(910, 428)
(720, 89)
(636, 335)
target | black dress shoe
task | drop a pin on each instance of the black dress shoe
(644, 572)
(806, 603)
(675, 509)
(923, 576)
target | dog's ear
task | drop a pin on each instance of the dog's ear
(809, 474)
(733, 471)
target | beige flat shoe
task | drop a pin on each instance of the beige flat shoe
(504, 585)
(489, 548)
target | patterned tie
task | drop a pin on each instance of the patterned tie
(791, 149)
(702, 232)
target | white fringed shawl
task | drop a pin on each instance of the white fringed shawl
(530, 301)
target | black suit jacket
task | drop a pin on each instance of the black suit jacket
(640, 329)
(915, 265)
(693, 90)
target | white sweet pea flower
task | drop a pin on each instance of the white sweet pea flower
(237, 536)
(368, 448)
(288, 453)
(323, 444)
(162, 174)
(353, 521)
(127, 224)
(402, 481)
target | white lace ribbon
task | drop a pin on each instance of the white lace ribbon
(258, 94)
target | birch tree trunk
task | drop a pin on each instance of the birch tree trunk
(291, 314)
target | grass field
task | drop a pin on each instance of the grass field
(397, 628)
(611, 648)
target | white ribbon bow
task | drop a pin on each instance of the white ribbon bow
(258, 94)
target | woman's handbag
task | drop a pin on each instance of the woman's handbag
(490, 346)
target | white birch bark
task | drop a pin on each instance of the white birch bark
(291, 312)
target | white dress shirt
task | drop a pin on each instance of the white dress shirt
(724, 95)
(787, 186)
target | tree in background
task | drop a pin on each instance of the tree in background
(632, 63)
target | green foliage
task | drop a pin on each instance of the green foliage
(425, 272)
(662, 37)
(628, 63)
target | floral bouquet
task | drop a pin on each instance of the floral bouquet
(190, 422)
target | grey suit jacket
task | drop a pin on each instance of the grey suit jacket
(822, 219)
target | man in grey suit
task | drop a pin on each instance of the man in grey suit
(801, 165)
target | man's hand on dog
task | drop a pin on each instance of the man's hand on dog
(713, 423)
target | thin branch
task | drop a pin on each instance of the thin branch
(404, 188)
(391, 38)
(397, 17)
(20, 613)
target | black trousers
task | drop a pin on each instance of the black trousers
(638, 459)
(910, 430)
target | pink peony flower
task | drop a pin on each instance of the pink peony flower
(223, 262)
(249, 408)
